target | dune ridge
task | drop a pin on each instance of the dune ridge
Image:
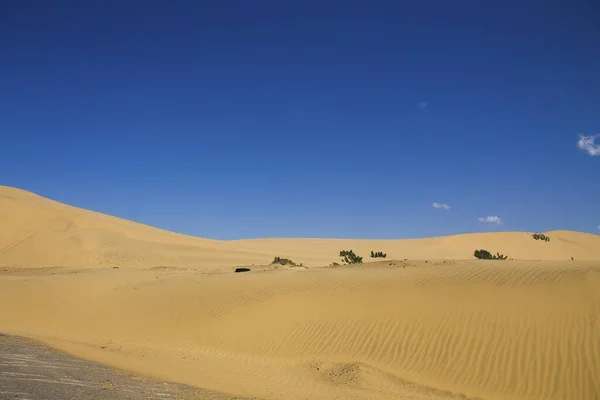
(38, 232)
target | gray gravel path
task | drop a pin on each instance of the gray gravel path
(31, 371)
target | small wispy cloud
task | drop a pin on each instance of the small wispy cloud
(588, 144)
(598, 227)
(423, 104)
(440, 205)
(491, 220)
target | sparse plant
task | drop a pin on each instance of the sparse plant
(349, 257)
(540, 236)
(486, 255)
(378, 254)
(283, 261)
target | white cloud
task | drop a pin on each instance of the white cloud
(599, 227)
(440, 205)
(491, 220)
(423, 104)
(588, 144)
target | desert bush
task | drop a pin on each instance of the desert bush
(486, 255)
(378, 254)
(283, 261)
(483, 254)
(349, 257)
(540, 236)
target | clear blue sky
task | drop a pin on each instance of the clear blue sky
(231, 119)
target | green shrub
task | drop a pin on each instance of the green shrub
(486, 255)
(483, 254)
(378, 254)
(283, 261)
(540, 236)
(349, 257)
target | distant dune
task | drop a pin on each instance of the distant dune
(39, 232)
(439, 325)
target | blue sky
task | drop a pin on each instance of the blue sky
(234, 119)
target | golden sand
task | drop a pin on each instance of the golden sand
(436, 328)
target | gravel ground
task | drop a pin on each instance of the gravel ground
(30, 371)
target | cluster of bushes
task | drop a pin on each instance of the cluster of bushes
(378, 254)
(486, 255)
(350, 258)
(540, 236)
(284, 261)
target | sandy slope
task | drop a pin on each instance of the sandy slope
(38, 232)
(395, 330)
(389, 330)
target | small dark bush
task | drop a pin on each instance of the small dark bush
(540, 236)
(349, 257)
(378, 254)
(283, 261)
(483, 254)
(242, 269)
(486, 255)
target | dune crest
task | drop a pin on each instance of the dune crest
(39, 232)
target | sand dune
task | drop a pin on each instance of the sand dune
(436, 326)
(473, 329)
(38, 232)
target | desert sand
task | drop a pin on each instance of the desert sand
(429, 322)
